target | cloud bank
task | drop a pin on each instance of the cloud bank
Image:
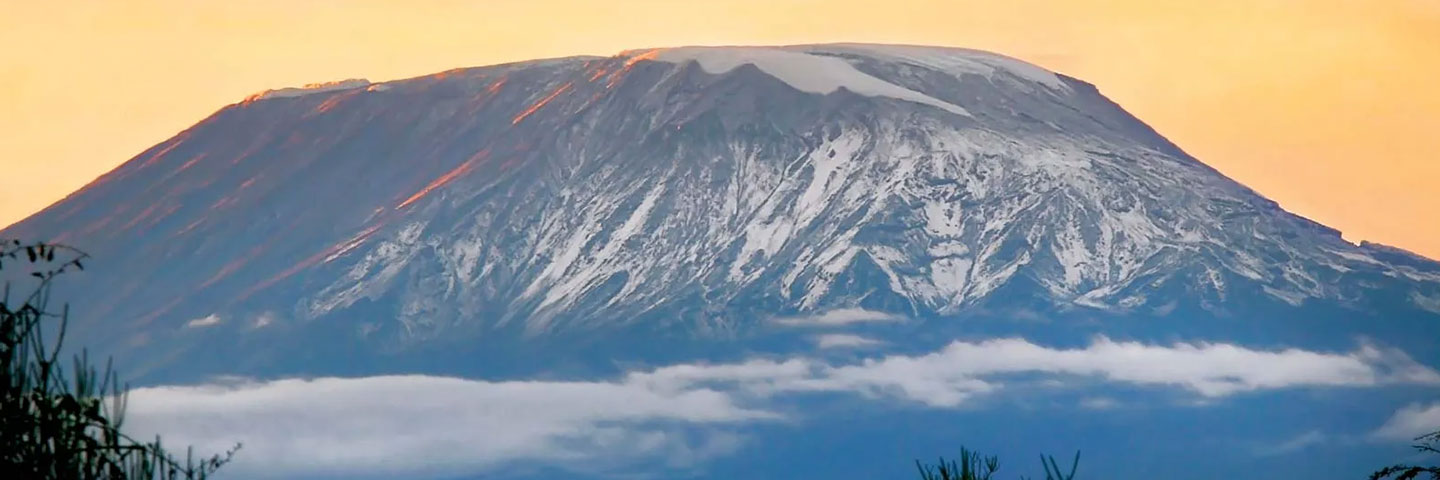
(839, 318)
(962, 370)
(394, 425)
(1297, 443)
(431, 426)
(1412, 421)
(844, 340)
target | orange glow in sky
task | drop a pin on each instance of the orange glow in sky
(1328, 106)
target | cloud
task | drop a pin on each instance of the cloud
(414, 425)
(432, 426)
(263, 320)
(1099, 403)
(839, 318)
(1298, 443)
(207, 321)
(1412, 421)
(758, 377)
(844, 340)
(962, 370)
(1208, 369)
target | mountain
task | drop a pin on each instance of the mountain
(679, 202)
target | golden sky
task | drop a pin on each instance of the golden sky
(1330, 107)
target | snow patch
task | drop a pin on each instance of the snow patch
(1292, 298)
(1431, 304)
(206, 321)
(575, 285)
(942, 219)
(955, 61)
(310, 89)
(1357, 257)
(803, 71)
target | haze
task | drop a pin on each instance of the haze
(1327, 106)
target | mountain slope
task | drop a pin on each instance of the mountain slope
(693, 190)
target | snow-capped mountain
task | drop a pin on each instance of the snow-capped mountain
(697, 190)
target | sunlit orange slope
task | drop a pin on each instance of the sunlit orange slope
(1327, 106)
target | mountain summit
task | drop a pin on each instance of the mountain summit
(698, 191)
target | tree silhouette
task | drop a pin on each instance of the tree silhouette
(1428, 443)
(66, 424)
(973, 466)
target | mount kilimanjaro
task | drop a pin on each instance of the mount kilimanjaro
(692, 194)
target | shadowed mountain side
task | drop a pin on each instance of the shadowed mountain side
(685, 196)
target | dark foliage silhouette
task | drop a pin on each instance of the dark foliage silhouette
(58, 423)
(1428, 443)
(973, 466)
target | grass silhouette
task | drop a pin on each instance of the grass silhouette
(59, 423)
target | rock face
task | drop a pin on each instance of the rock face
(690, 190)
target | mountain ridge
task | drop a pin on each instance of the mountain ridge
(646, 188)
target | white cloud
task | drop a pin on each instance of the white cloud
(1298, 443)
(1412, 421)
(962, 370)
(1209, 369)
(1099, 403)
(839, 318)
(422, 425)
(760, 377)
(263, 320)
(207, 321)
(844, 340)
(428, 426)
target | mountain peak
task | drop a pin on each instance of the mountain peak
(696, 188)
(955, 60)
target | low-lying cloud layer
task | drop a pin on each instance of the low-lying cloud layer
(962, 370)
(839, 318)
(417, 424)
(1412, 421)
(844, 340)
(421, 425)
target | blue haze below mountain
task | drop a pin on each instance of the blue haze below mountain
(577, 217)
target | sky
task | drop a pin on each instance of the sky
(1326, 106)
